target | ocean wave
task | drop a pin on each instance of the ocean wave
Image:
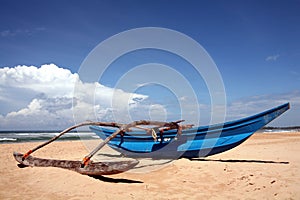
(8, 139)
(22, 134)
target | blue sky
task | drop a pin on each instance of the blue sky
(255, 45)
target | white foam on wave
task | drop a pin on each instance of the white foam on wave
(8, 139)
(23, 134)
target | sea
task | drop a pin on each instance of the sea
(32, 136)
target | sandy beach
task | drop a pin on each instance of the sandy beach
(266, 166)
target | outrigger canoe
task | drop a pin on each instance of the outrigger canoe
(191, 143)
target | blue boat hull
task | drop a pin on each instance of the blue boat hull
(192, 143)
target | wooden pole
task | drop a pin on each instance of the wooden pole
(68, 130)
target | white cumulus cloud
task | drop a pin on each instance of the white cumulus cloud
(56, 96)
(50, 79)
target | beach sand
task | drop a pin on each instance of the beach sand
(266, 166)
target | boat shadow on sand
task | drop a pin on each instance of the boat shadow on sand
(115, 180)
(239, 161)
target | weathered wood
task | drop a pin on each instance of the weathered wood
(93, 168)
